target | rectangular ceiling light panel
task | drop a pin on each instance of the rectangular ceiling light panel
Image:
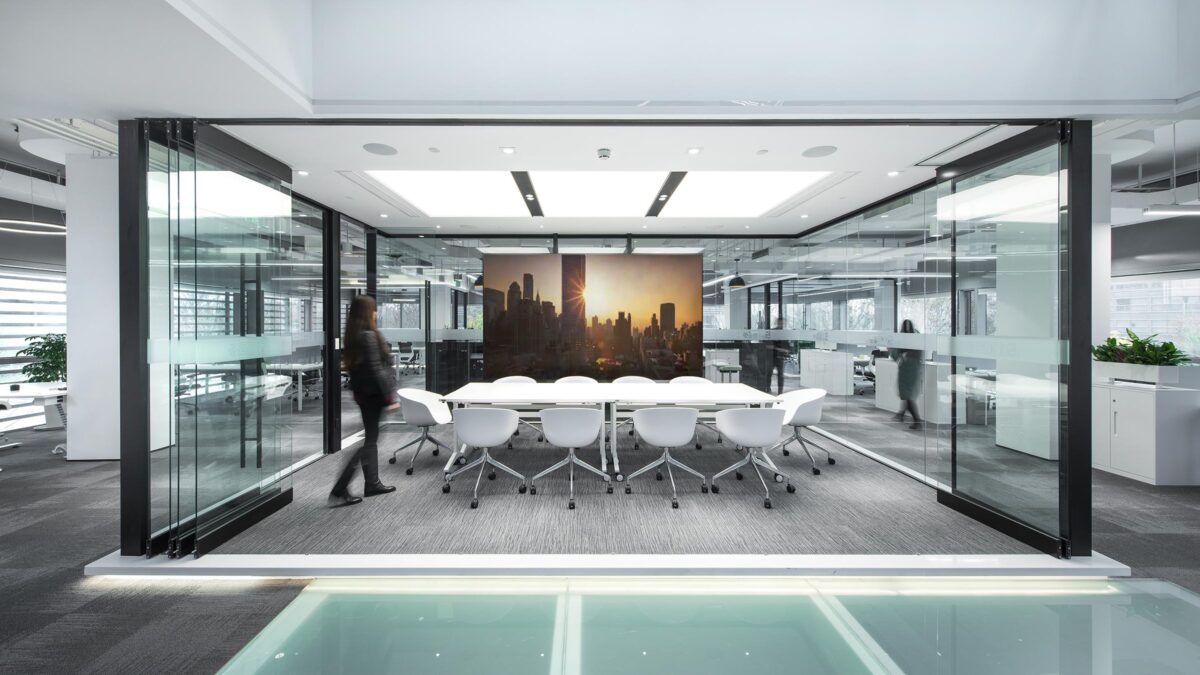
(513, 250)
(591, 250)
(457, 194)
(736, 194)
(596, 194)
(1012, 199)
(668, 250)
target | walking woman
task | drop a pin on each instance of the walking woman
(365, 356)
(908, 377)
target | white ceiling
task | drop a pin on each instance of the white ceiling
(334, 158)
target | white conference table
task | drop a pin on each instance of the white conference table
(297, 370)
(605, 395)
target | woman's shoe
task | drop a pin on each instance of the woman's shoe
(343, 499)
(898, 417)
(379, 489)
(915, 425)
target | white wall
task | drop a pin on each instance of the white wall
(272, 36)
(93, 317)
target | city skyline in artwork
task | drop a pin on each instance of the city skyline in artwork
(546, 316)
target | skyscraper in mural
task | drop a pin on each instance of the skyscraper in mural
(666, 317)
(574, 313)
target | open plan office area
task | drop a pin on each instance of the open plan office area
(587, 347)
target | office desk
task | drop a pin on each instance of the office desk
(51, 397)
(297, 370)
(605, 395)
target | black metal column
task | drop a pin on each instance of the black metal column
(133, 237)
(332, 320)
(1075, 311)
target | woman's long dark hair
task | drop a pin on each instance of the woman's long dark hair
(906, 326)
(360, 319)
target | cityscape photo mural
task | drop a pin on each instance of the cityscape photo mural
(547, 316)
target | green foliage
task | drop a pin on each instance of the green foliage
(50, 350)
(1138, 350)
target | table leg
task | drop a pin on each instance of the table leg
(616, 457)
(299, 391)
(603, 443)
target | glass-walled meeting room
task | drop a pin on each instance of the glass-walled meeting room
(934, 320)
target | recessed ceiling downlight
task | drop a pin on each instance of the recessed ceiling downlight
(820, 151)
(379, 149)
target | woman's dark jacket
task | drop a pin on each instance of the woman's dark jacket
(909, 370)
(372, 375)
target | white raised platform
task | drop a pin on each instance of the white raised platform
(299, 565)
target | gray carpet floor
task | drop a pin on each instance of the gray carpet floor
(57, 516)
(857, 506)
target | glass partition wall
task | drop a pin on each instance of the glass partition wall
(234, 319)
(948, 301)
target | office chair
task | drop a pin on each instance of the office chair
(802, 408)
(522, 379)
(571, 428)
(666, 428)
(753, 429)
(576, 379)
(630, 379)
(484, 428)
(703, 382)
(422, 409)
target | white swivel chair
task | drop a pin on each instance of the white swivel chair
(692, 380)
(803, 408)
(753, 429)
(484, 428)
(521, 379)
(576, 379)
(422, 409)
(666, 428)
(571, 428)
(631, 379)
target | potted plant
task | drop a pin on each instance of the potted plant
(1143, 359)
(50, 350)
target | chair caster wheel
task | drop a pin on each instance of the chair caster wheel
(461, 460)
(766, 503)
(778, 478)
(510, 446)
(631, 432)
(533, 489)
(445, 487)
(704, 488)
(435, 452)
(609, 490)
(738, 475)
(392, 460)
(674, 503)
(831, 461)
(571, 505)
(522, 489)
(628, 490)
(541, 439)
(408, 471)
(715, 489)
(492, 476)
(787, 453)
(791, 488)
(658, 476)
(620, 477)
(474, 503)
(636, 446)
(816, 471)
(699, 447)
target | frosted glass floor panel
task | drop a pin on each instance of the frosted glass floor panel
(630, 626)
